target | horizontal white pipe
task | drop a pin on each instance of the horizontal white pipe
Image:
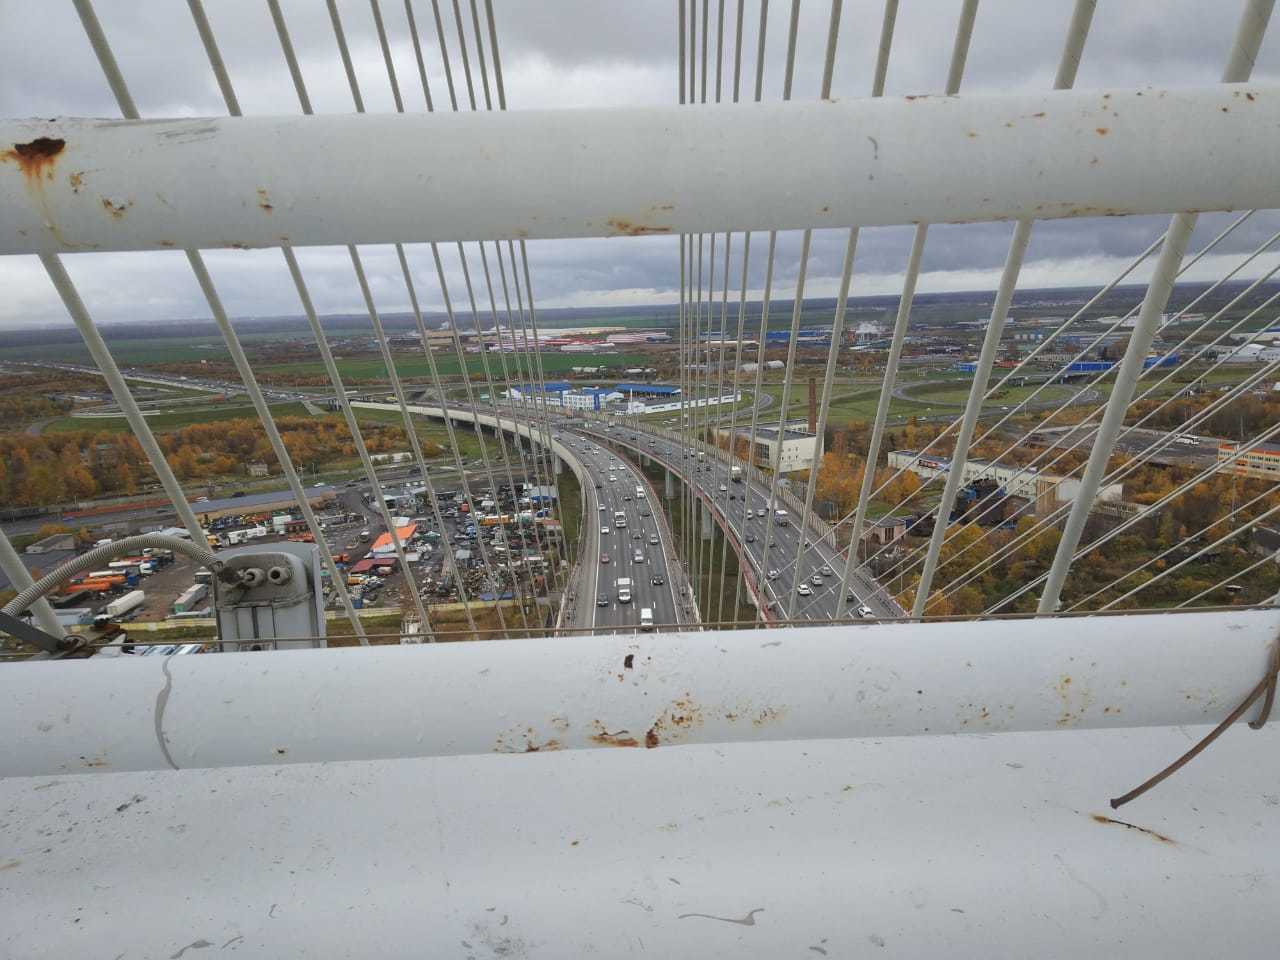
(261, 181)
(235, 709)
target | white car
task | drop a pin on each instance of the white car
(613, 478)
(804, 590)
(762, 512)
(602, 508)
(604, 530)
(773, 574)
(865, 612)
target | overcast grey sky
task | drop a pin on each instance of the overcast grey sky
(574, 53)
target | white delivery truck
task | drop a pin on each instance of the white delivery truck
(646, 619)
(735, 474)
(781, 518)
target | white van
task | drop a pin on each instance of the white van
(646, 619)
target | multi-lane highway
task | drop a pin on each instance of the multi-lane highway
(630, 559)
(768, 543)
(744, 508)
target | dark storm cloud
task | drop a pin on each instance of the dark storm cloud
(589, 53)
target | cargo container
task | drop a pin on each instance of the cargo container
(191, 597)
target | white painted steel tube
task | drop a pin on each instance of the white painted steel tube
(658, 690)
(261, 181)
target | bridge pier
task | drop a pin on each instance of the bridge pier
(708, 523)
(559, 465)
(668, 486)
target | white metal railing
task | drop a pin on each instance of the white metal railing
(1086, 704)
(679, 170)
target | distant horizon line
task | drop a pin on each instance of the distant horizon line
(885, 299)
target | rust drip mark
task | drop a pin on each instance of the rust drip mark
(1103, 131)
(616, 738)
(1226, 109)
(532, 747)
(973, 134)
(37, 158)
(117, 210)
(530, 744)
(264, 202)
(619, 739)
(166, 243)
(674, 723)
(1250, 97)
(1100, 818)
(77, 181)
(629, 229)
(1039, 116)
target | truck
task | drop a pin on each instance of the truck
(646, 619)
(619, 519)
(191, 598)
(781, 518)
(624, 589)
(735, 474)
(122, 605)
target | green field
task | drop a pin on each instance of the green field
(372, 369)
(139, 352)
(172, 421)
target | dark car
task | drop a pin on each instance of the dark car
(657, 580)
(602, 600)
(750, 538)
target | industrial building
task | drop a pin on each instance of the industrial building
(1262, 461)
(633, 390)
(671, 406)
(1045, 490)
(800, 448)
(207, 510)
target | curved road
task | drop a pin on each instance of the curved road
(747, 535)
